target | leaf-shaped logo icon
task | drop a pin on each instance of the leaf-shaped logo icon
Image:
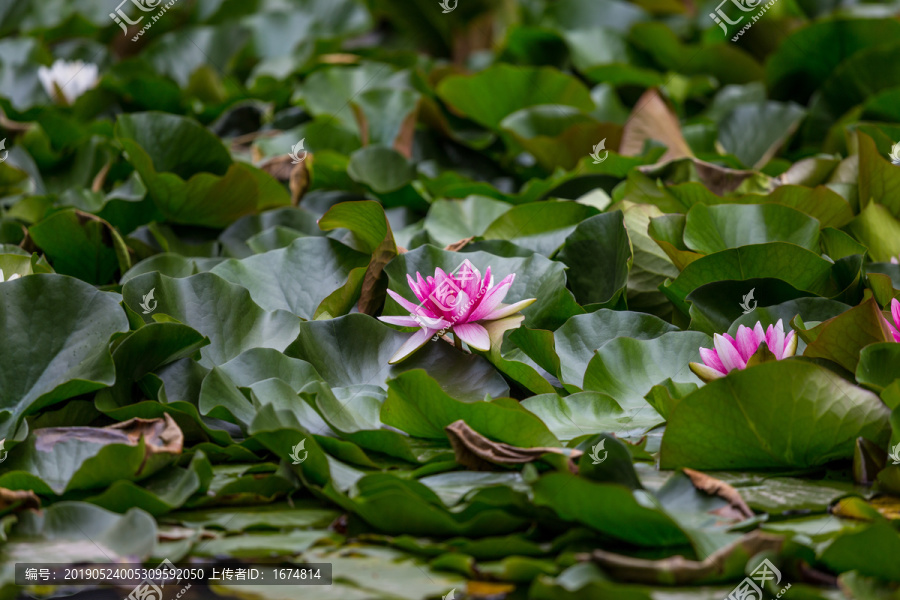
(146, 302)
(3, 147)
(3, 452)
(296, 149)
(596, 153)
(895, 454)
(895, 153)
(296, 450)
(745, 303)
(595, 452)
(445, 4)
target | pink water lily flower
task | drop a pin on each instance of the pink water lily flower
(895, 313)
(733, 352)
(462, 302)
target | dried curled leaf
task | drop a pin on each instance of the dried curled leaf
(727, 563)
(705, 483)
(457, 246)
(479, 453)
(653, 119)
(161, 435)
(14, 500)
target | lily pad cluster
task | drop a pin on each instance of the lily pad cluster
(559, 299)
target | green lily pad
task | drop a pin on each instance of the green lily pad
(783, 414)
(51, 354)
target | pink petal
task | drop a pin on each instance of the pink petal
(894, 331)
(445, 295)
(415, 288)
(408, 321)
(760, 334)
(415, 341)
(504, 310)
(895, 311)
(491, 299)
(474, 335)
(462, 308)
(469, 279)
(414, 309)
(746, 343)
(711, 360)
(775, 339)
(728, 353)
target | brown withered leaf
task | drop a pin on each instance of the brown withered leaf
(457, 246)
(362, 121)
(653, 119)
(300, 179)
(374, 287)
(403, 143)
(719, 180)
(726, 563)
(479, 453)
(296, 176)
(14, 500)
(339, 58)
(100, 177)
(488, 589)
(737, 508)
(161, 435)
(279, 167)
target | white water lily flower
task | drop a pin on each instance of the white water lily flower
(11, 277)
(65, 81)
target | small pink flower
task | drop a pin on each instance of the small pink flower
(461, 302)
(733, 352)
(895, 314)
(894, 261)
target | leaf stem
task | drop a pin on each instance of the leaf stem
(457, 341)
